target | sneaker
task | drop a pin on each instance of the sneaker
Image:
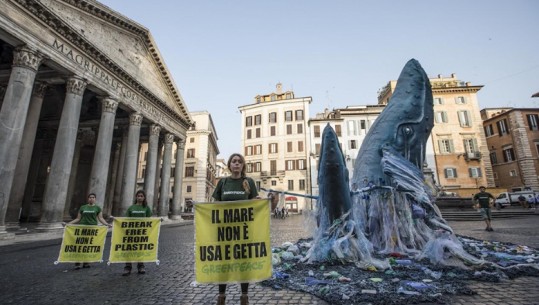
(141, 270)
(127, 271)
(490, 229)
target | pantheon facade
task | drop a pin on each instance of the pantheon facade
(81, 88)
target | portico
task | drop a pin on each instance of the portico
(82, 87)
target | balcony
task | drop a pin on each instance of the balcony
(472, 156)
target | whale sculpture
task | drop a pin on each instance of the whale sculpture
(394, 210)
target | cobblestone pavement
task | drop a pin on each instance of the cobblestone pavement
(28, 275)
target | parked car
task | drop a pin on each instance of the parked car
(506, 199)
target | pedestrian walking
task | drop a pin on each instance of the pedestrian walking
(139, 209)
(522, 201)
(483, 201)
(235, 187)
(89, 214)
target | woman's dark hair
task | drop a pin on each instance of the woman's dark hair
(144, 203)
(92, 194)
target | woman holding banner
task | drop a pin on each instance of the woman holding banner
(89, 214)
(139, 209)
(236, 187)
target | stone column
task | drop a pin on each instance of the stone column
(101, 163)
(130, 167)
(13, 117)
(178, 179)
(165, 176)
(117, 202)
(107, 206)
(55, 196)
(158, 175)
(71, 209)
(25, 157)
(151, 164)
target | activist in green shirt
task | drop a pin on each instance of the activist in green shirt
(139, 209)
(89, 214)
(236, 187)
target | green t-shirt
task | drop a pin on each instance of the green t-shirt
(137, 210)
(230, 189)
(89, 214)
(484, 199)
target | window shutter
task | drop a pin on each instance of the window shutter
(475, 146)
(479, 174)
(451, 146)
(470, 172)
(499, 128)
(446, 172)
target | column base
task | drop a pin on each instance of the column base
(13, 226)
(4, 234)
(176, 217)
(49, 226)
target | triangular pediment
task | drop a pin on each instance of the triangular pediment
(126, 43)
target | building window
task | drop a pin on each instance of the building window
(300, 128)
(299, 115)
(290, 165)
(289, 147)
(258, 149)
(145, 155)
(143, 173)
(438, 101)
(289, 129)
(301, 164)
(188, 189)
(300, 146)
(273, 167)
(440, 117)
(191, 153)
(475, 172)
(258, 167)
(464, 118)
(302, 184)
(248, 150)
(249, 167)
(470, 145)
(450, 173)
(273, 117)
(192, 140)
(362, 124)
(258, 119)
(317, 149)
(352, 128)
(249, 134)
(290, 185)
(338, 130)
(513, 173)
(493, 158)
(446, 146)
(273, 183)
(272, 130)
(257, 185)
(533, 121)
(502, 127)
(189, 171)
(489, 131)
(352, 144)
(249, 121)
(288, 116)
(317, 131)
(273, 148)
(508, 154)
(172, 170)
(258, 132)
(460, 100)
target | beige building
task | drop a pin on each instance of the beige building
(512, 136)
(275, 140)
(201, 168)
(83, 86)
(458, 140)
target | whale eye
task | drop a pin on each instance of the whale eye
(407, 131)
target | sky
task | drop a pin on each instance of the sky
(221, 54)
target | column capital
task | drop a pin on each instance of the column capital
(169, 138)
(40, 88)
(109, 104)
(75, 85)
(155, 130)
(27, 58)
(135, 119)
(180, 143)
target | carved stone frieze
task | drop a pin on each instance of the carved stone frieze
(135, 119)
(155, 130)
(27, 58)
(109, 104)
(75, 85)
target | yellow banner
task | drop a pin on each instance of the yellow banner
(134, 240)
(232, 241)
(82, 244)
